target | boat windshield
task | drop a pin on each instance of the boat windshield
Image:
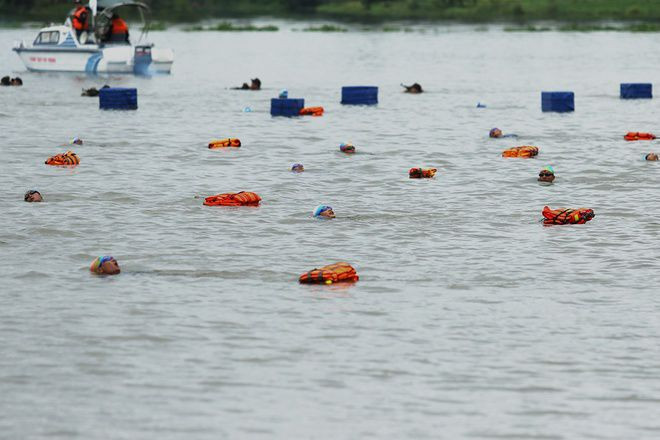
(109, 26)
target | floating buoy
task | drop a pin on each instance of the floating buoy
(242, 198)
(525, 151)
(64, 159)
(422, 173)
(637, 136)
(333, 273)
(223, 143)
(567, 216)
(311, 111)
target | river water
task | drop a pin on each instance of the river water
(471, 319)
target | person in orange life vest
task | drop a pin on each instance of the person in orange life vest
(118, 29)
(80, 18)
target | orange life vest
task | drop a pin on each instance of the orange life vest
(313, 111)
(239, 199)
(67, 159)
(79, 20)
(636, 136)
(419, 173)
(119, 26)
(221, 143)
(567, 216)
(524, 151)
(333, 273)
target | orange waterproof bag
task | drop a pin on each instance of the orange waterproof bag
(64, 159)
(222, 143)
(242, 198)
(311, 111)
(637, 136)
(567, 216)
(422, 173)
(525, 151)
(333, 273)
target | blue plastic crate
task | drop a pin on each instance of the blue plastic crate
(359, 95)
(558, 102)
(286, 107)
(636, 90)
(118, 98)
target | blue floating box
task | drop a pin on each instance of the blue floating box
(636, 91)
(286, 107)
(359, 95)
(118, 98)
(558, 102)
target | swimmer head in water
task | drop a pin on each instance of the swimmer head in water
(495, 133)
(547, 174)
(347, 148)
(651, 156)
(324, 211)
(284, 94)
(297, 168)
(106, 265)
(33, 196)
(76, 141)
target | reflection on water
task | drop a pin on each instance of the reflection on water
(471, 319)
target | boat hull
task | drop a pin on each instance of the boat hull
(118, 59)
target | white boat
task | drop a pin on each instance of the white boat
(57, 49)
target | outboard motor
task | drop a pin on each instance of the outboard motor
(142, 60)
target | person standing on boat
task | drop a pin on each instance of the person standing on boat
(80, 18)
(118, 30)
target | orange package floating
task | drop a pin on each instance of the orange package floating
(64, 159)
(525, 151)
(333, 273)
(311, 111)
(242, 198)
(222, 143)
(636, 136)
(422, 173)
(567, 216)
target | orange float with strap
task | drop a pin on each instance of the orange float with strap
(567, 216)
(333, 273)
(637, 136)
(311, 111)
(222, 143)
(64, 159)
(525, 151)
(242, 198)
(422, 173)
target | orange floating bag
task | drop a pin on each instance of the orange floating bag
(242, 198)
(422, 173)
(567, 216)
(222, 143)
(333, 273)
(64, 159)
(637, 136)
(525, 151)
(311, 111)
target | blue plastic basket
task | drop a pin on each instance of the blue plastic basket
(636, 91)
(118, 98)
(561, 102)
(286, 107)
(359, 95)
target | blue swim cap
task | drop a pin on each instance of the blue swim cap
(321, 209)
(247, 110)
(549, 168)
(284, 94)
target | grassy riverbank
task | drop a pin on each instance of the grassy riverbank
(471, 11)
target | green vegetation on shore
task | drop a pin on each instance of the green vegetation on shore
(474, 11)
